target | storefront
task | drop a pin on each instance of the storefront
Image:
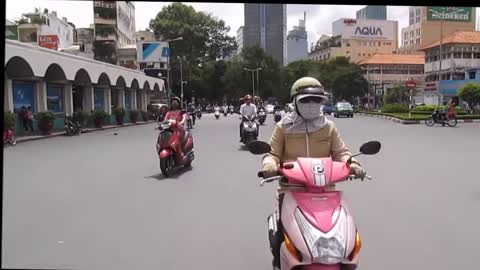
(55, 98)
(23, 95)
(449, 89)
(99, 98)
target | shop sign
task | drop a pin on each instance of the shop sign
(459, 14)
(48, 41)
(368, 31)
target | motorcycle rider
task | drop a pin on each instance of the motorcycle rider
(305, 132)
(174, 112)
(192, 112)
(247, 109)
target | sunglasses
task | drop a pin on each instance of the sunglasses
(311, 99)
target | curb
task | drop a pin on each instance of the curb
(412, 122)
(36, 138)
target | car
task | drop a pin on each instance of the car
(269, 108)
(328, 109)
(343, 109)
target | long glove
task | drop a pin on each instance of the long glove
(357, 170)
(269, 170)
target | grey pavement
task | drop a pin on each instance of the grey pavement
(99, 201)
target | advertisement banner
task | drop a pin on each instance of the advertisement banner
(48, 41)
(152, 52)
(23, 95)
(458, 14)
(98, 98)
(365, 29)
(55, 98)
(126, 19)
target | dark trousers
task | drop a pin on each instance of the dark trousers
(28, 124)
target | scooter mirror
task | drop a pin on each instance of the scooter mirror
(370, 148)
(258, 147)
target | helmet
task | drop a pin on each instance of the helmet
(177, 99)
(247, 97)
(307, 85)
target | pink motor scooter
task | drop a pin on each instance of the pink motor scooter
(318, 229)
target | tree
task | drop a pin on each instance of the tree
(349, 85)
(398, 94)
(470, 92)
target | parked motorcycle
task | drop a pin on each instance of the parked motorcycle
(9, 137)
(173, 150)
(262, 116)
(442, 118)
(72, 126)
(277, 115)
(217, 113)
(318, 229)
(249, 129)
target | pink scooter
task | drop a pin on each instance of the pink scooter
(318, 229)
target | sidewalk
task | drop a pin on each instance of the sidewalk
(410, 122)
(27, 138)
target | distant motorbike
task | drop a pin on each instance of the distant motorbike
(172, 149)
(217, 114)
(199, 114)
(277, 115)
(72, 126)
(189, 121)
(9, 137)
(225, 112)
(249, 129)
(440, 117)
(230, 110)
(262, 116)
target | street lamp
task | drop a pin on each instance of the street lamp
(181, 77)
(168, 66)
(253, 78)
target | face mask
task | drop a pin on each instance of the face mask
(309, 110)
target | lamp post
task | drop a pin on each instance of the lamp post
(181, 77)
(168, 66)
(253, 78)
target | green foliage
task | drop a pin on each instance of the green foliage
(119, 112)
(470, 92)
(398, 94)
(98, 114)
(144, 116)
(427, 109)
(45, 117)
(395, 108)
(9, 119)
(81, 117)
(134, 115)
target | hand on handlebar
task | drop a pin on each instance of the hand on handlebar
(357, 171)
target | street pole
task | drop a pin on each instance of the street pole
(258, 74)
(168, 78)
(253, 83)
(253, 79)
(181, 80)
(441, 52)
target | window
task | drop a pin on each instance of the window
(348, 44)
(379, 44)
(359, 54)
(417, 12)
(369, 54)
(411, 21)
(417, 41)
(99, 99)
(127, 100)
(471, 75)
(457, 55)
(348, 52)
(23, 95)
(476, 55)
(467, 55)
(142, 38)
(417, 19)
(55, 98)
(363, 54)
(411, 34)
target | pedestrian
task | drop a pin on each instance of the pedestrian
(29, 119)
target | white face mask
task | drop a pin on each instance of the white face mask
(309, 110)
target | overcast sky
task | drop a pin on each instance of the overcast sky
(319, 17)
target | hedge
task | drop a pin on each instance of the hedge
(394, 108)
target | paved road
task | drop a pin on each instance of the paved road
(98, 201)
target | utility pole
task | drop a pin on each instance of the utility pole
(441, 52)
(253, 78)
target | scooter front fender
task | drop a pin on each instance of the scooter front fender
(165, 153)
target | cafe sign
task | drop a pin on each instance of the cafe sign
(459, 14)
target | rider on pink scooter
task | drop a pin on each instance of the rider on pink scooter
(305, 132)
(174, 112)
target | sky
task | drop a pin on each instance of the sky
(319, 17)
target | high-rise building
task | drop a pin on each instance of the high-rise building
(239, 39)
(297, 44)
(114, 23)
(427, 23)
(266, 27)
(372, 13)
(357, 40)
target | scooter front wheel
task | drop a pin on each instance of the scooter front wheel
(452, 122)
(429, 122)
(167, 165)
(12, 140)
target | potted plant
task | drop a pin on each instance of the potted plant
(134, 115)
(119, 115)
(9, 119)
(98, 118)
(145, 116)
(81, 116)
(45, 122)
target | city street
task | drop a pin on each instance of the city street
(99, 201)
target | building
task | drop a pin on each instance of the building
(239, 39)
(145, 36)
(127, 57)
(297, 44)
(385, 71)
(48, 80)
(114, 23)
(426, 25)
(357, 40)
(372, 13)
(11, 30)
(460, 53)
(83, 45)
(266, 27)
(46, 30)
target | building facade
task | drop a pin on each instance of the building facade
(372, 13)
(114, 23)
(46, 30)
(83, 45)
(358, 39)
(427, 24)
(460, 53)
(145, 36)
(266, 27)
(239, 39)
(297, 43)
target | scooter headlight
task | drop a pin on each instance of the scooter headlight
(326, 248)
(245, 125)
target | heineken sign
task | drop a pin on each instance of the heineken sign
(459, 14)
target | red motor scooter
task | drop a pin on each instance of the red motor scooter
(172, 149)
(9, 137)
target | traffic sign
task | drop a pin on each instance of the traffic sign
(411, 85)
